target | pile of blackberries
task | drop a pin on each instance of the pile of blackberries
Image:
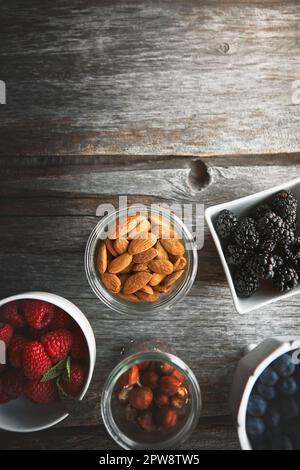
(273, 412)
(263, 246)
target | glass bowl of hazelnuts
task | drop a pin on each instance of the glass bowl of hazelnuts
(151, 400)
(141, 259)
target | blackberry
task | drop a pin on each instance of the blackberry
(260, 211)
(245, 282)
(236, 255)
(288, 235)
(285, 251)
(285, 204)
(264, 265)
(285, 279)
(271, 227)
(246, 234)
(225, 224)
(290, 220)
(266, 246)
(278, 261)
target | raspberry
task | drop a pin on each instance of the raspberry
(57, 344)
(2, 368)
(79, 348)
(74, 386)
(15, 350)
(61, 320)
(12, 383)
(35, 360)
(10, 313)
(6, 332)
(4, 397)
(41, 392)
(38, 314)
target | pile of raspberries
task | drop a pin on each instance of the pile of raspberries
(263, 246)
(38, 335)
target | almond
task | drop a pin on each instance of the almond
(140, 267)
(143, 227)
(161, 252)
(147, 289)
(128, 269)
(111, 282)
(173, 246)
(123, 277)
(102, 258)
(161, 266)
(145, 256)
(158, 219)
(110, 247)
(156, 279)
(180, 263)
(123, 226)
(147, 297)
(142, 243)
(129, 297)
(120, 263)
(169, 280)
(162, 289)
(121, 245)
(136, 282)
(161, 231)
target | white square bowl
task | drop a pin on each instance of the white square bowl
(243, 207)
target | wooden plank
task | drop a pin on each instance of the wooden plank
(209, 435)
(152, 77)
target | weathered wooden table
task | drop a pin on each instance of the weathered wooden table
(183, 101)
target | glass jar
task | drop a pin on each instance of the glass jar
(166, 300)
(127, 433)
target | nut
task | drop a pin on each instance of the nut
(110, 247)
(165, 368)
(180, 263)
(111, 282)
(150, 379)
(121, 245)
(135, 282)
(169, 385)
(161, 252)
(141, 398)
(181, 398)
(102, 258)
(147, 289)
(130, 414)
(140, 267)
(171, 279)
(145, 256)
(144, 365)
(161, 266)
(129, 297)
(166, 418)
(129, 378)
(142, 243)
(120, 263)
(173, 246)
(147, 297)
(145, 420)
(156, 279)
(161, 400)
(141, 228)
(178, 375)
(123, 395)
(123, 226)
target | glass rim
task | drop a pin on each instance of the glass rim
(125, 307)
(109, 386)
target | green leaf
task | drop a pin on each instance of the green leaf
(55, 371)
(72, 405)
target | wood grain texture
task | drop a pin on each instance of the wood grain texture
(149, 78)
(46, 217)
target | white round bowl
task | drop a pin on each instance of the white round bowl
(24, 416)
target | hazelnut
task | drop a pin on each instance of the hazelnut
(141, 398)
(165, 368)
(161, 400)
(169, 385)
(181, 398)
(130, 414)
(166, 418)
(145, 420)
(179, 375)
(129, 378)
(144, 365)
(123, 395)
(150, 379)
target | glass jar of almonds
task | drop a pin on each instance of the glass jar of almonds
(141, 259)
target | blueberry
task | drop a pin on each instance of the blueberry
(266, 392)
(284, 365)
(288, 408)
(281, 442)
(287, 386)
(294, 434)
(257, 406)
(272, 419)
(255, 426)
(269, 377)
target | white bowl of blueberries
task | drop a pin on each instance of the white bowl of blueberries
(265, 397)
(259, 245)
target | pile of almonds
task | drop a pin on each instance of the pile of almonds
(154, 395)
(141, 258)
